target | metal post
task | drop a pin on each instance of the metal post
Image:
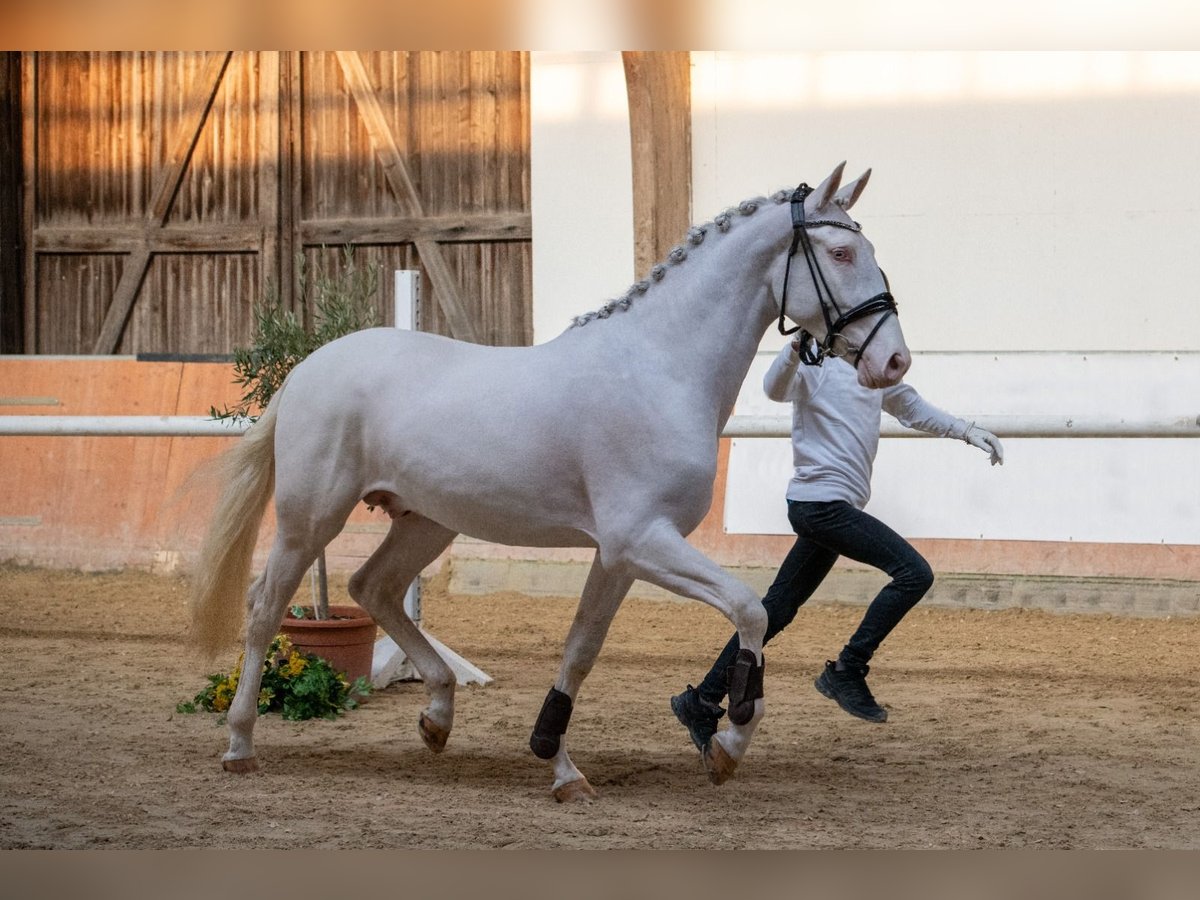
(407, 307)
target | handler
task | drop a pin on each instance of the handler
(835, 436)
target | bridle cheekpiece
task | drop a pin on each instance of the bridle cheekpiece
(813, 352)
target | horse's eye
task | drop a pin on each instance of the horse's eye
(841, 254)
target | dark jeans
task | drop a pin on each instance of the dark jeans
(824, 532)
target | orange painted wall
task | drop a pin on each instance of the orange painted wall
(99, 502)
(107, 502)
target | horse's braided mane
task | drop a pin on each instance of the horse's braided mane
(695, 237)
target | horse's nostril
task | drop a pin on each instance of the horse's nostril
(898, 365)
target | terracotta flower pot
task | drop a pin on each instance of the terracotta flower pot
(346, 640)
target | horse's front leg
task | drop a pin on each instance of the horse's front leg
(660, 554)
(602, 596)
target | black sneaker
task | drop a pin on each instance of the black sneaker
(848, 686)
(698, 716)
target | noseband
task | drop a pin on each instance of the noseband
(812, 352)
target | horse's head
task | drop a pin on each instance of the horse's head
(832, 288)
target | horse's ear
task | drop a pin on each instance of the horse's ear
(825, 191)
(847, 196)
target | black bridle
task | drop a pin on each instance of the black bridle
(812, 352)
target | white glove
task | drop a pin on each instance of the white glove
(985, 441)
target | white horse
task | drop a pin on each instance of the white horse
(604, 437)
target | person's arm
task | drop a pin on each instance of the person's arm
(914, 411)
(782, 382)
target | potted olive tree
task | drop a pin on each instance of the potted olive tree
(341, 302)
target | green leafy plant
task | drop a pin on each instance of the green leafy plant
(295, 684)
(342, 302)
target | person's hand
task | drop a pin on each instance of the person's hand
(797, 345)
(985, 441)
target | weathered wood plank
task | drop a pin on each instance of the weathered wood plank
(446, 290)
(228, 281)
(200, 102)
(72, 292)
(376, 124)
(213, 237)
(29, 191)
(167, 184)
(513, 131)
(270, 269)
(12, 320)
(290, 172)
(133, 274)
(478, 228)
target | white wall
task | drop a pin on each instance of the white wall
(1112, 491)
(1019, 202)
(580, 186)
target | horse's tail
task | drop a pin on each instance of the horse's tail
(222, 573)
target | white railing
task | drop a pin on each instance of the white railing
(1057, 426)
(120, 426)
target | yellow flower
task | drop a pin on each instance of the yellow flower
(295, 665)
(223, 695)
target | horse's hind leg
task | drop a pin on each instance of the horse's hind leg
(379, 586)
(267, 598)
(602, 596)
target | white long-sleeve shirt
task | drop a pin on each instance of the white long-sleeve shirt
(835, 425)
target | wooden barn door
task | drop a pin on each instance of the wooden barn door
(164, 193)
(420, 160)
(149, 199)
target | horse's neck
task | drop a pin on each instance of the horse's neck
(703, 322)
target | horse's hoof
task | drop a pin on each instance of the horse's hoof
(434, 735)
(577, 791)
(719, 764)
(243, 766)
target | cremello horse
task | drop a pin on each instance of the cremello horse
(604, 437)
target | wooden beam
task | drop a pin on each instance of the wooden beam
(166, 186)
(12, 294)
(290, 118)
(217, 237)
(445, 285)
(270, 165)
(133, 273)
(208, 237)
(29, 63)
(480, 228)
(658, 84)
